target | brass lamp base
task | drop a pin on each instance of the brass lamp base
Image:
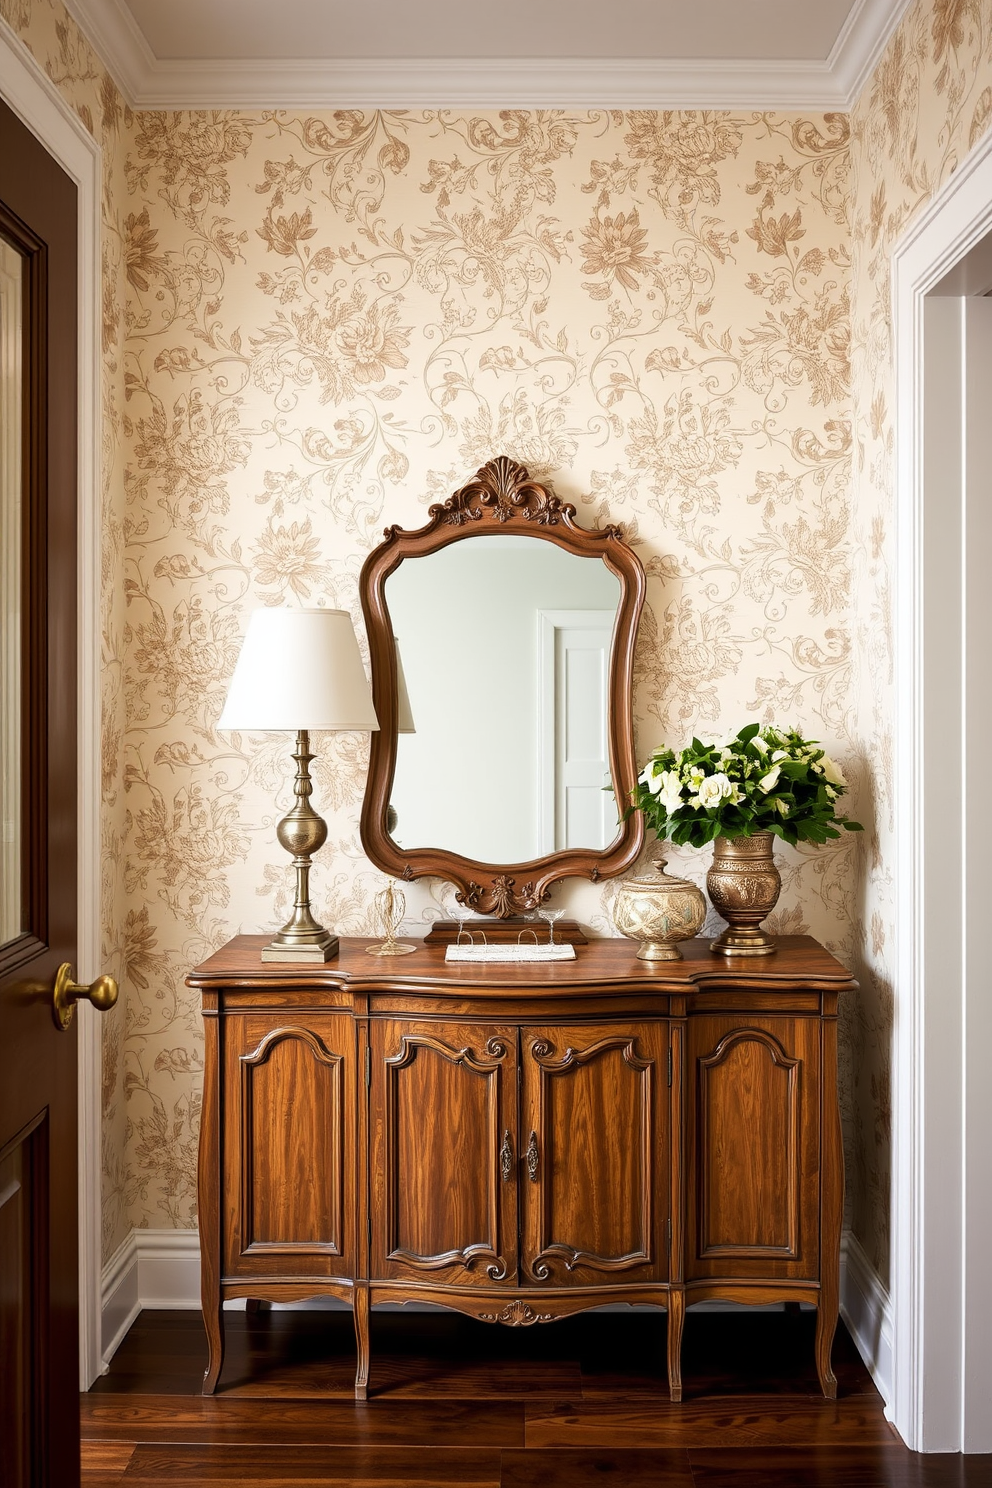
(301, 833)
(278, 950)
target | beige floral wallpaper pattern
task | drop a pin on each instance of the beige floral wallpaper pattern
(926, 105)
(316, 324)
(332, 320)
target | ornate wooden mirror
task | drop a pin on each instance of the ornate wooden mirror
(502, 639)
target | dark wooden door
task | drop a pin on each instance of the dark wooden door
(444, 1149)
(289, 1144)
(753, 1164)
(39, 1358)
(594, 1142)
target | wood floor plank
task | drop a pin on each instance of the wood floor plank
(202, 1419)
(890, 1466)
(727, 1421)
(427, 1378)
(312, 1467)
(308, 1355)
(771, 1352)
(102, 1464)
(562, 1468)
(106, 1457)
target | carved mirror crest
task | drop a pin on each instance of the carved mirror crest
(502, 640)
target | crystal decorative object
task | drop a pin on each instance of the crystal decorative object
(388, 909)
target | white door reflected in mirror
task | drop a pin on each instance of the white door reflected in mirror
(473, 777)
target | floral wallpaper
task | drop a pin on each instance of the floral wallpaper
(331, 321)
(927, 104)
(316, 324)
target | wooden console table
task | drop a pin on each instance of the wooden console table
(522, 1142)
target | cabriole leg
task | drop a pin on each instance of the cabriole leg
(360, 1306)
(826, 1326)
(213, 1322)
(676, 1318)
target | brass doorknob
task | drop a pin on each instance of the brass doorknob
(102, 994)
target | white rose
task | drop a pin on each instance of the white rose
(670, 791)
(713, 790)
(649, 778)
(780, 754)
(759, 744)
(832, 771)
(783, 807)
(770, 781)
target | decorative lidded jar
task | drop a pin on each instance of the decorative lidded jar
(659, 911)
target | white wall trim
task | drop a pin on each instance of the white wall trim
(150, 1269)
(932, 993)
(483, 82)
(31, 95)
(866, 1308)
(862, 40)
(119, 1304)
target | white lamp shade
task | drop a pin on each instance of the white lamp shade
(299, 669)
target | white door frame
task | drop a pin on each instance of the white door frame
(941, 1177)
(549, 623)
(29, 93)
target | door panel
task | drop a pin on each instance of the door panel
(289, 1144)
(444, 1146)
(594, 1133)
(754, 1146)
(23, 1180)
(39, 1396)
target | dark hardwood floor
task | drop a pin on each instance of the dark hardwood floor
(457, 1404)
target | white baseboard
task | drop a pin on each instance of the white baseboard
(151, 1268)
(161, 1269)
(867, 1310)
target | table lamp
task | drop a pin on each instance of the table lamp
(300, 670)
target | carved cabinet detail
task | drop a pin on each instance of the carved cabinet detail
(754, 1146)
(521, 1142)
(443, 1120)
(290, 1202)
(595, 1115)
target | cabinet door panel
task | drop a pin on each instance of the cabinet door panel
(594, 1139)
(288, 1144)
(754, 1094)
(443, 1135)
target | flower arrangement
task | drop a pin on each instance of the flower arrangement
(761, 780)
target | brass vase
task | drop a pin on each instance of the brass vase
(659, 911)
(744, 885)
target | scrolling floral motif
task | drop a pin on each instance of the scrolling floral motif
(505, 490)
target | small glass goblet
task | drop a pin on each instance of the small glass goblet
(550, 916)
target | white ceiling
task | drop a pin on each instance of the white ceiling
(652, 53)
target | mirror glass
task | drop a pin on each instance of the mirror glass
(504, 646)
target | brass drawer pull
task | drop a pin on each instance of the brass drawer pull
(506, 1158)
(533, 1158)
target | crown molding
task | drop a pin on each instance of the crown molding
(862, 40)
(487, 82)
